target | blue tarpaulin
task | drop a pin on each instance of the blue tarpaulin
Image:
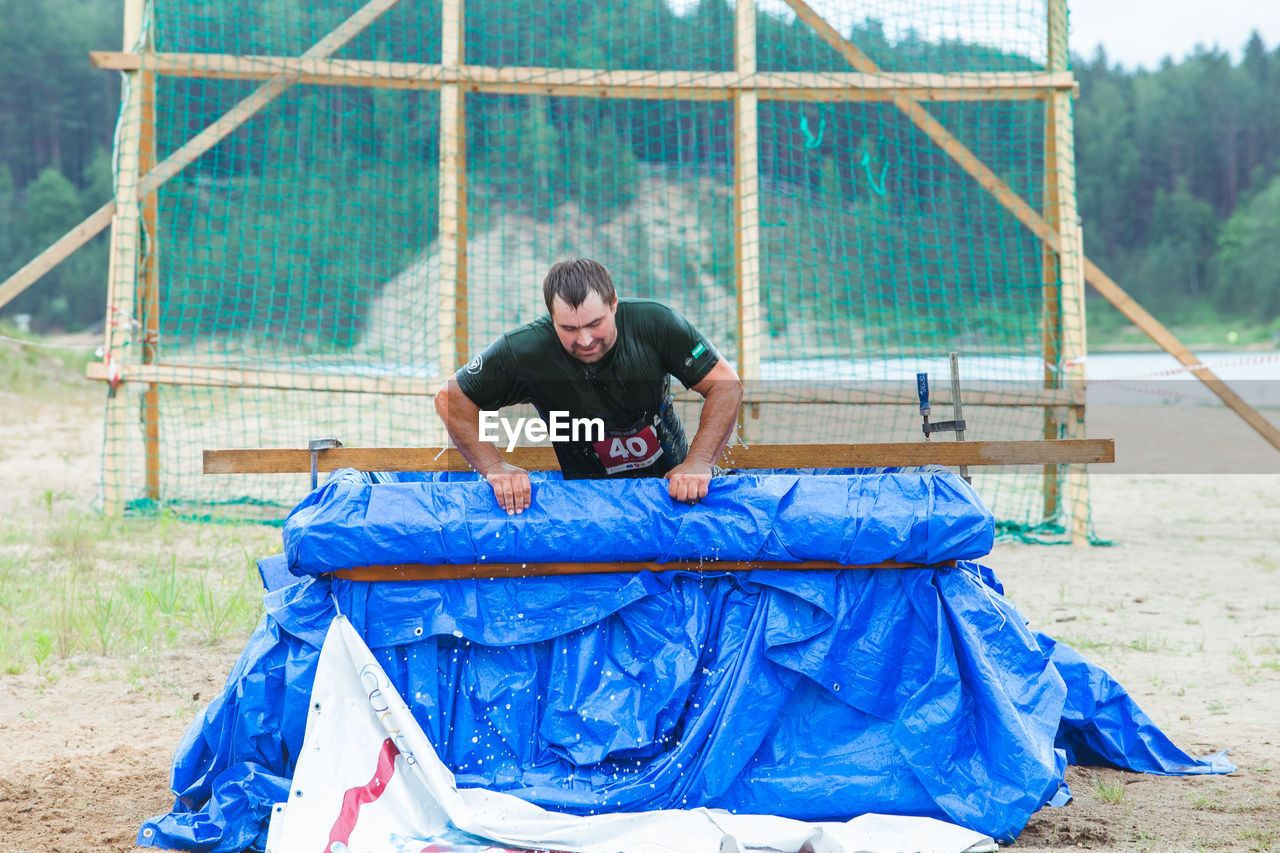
(808, 694)
(853, 520)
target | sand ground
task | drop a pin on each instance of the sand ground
(1183, 609)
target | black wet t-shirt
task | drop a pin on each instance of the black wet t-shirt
(629, 389)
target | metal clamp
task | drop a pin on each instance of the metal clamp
(958, 425)
(315, 446)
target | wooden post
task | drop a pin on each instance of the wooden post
(122, 274)
(148, 309)
(746, 206)
(1051, 311)
(1064, 329)
(454, 344)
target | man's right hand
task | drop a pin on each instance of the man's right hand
(510, 486)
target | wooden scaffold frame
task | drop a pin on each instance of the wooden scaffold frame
(133, 298)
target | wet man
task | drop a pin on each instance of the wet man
(607, 360)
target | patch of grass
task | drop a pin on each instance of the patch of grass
(1082, 643)
(1202, 803)
(1258, 839)
(87, 584)
(1246, 808)
(217, 608)
(35, 370)
(73, 542)
(1266, 563)
(1250, 670)
(1149, 644)
(1108, 792)
(41, 649)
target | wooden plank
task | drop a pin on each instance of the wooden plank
(587, 82)
(342, 380)
(1060, 211)
(746, 203)
(148, 302)
(417, 572)
(346, 379)
(895, 454)
(1051, 314)
(452, 337)
(122, 272)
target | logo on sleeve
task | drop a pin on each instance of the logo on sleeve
(697, 351)
(475, 364)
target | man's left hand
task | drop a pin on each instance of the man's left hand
(688, 481)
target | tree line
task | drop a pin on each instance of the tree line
(1177, 168)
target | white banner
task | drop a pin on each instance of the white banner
(369, 780)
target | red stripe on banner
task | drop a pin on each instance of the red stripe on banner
(355, 798)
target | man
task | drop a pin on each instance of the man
(595, 356)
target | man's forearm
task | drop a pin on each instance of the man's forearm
(720, 408)
(462, 421)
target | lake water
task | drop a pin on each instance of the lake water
(1113, 378)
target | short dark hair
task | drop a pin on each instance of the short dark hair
(573, 280)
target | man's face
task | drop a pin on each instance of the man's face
(588, 331)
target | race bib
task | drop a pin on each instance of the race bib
(628, 452)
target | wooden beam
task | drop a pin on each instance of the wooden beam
(1050, 266)
(198, 375)
(1063, 272)
(587, 82)
(122, 272)
(345, 379)
(452, 321)
(896, 454)
(418, 572)
(746, 202)
(148, 297)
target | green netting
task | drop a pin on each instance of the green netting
(303, 249)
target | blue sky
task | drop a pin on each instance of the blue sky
(1135, 33)
(1139, 33)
